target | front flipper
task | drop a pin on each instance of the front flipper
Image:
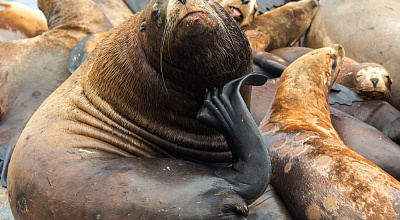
(225, 111)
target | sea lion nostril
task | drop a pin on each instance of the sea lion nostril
(183, 2)
(374, 81)
(245, 2)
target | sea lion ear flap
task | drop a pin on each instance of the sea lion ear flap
(350, 73)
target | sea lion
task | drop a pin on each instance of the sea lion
(369, 34)
(368, 80)
(316, 175)
(242, 11)
(31, 69)
(18, 21)
(377, 113)
(356, 134)
(282, 26)
(119, 138)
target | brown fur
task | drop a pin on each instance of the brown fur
(136, 95)
(282, 26)
(318, 176)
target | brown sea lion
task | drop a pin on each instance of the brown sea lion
(359, 136)
(18, 21)
(120, 140)
(317, 176)
(282, 26)
(370, 33)
(31, 69)
(368, 80)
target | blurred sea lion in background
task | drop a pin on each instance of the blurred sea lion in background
(18, 21)
(31, 69)
(115, 10)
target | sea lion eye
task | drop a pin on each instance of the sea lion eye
(156, 11)
(334, 64)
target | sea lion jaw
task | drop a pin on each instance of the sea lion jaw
(242, 11)
(371, 81)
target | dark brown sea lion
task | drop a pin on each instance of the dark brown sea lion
(368, 80)
(120, 140)
(377, 113)
(31, 69)
(369, 32)
(335, 181)
(18, 21)
(282, 26)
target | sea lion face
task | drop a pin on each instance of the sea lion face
(371, 81)
(193, 44)
(243, 11)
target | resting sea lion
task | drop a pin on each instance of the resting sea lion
(119, 139)
(31, 69)
(368, 80)
(316, 175)
(370, 33)
(282, 26)
(18, 21)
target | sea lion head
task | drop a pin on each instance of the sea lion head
(194, 43)
(370, 81)
(243, 11)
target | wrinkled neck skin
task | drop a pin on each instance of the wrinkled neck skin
(301, 101)
(126, 74)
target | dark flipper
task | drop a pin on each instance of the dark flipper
(6, 151)
(225, 111)
(78, 54)
(269, 64)
(342, 95)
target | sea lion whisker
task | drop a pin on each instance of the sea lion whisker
(219, 21)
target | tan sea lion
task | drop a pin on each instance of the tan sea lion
(282, 26)
(18, 21)
(120, 140)
(336, 182)
(31, 69)
(368, 80)
(242, 11)
(370, 33)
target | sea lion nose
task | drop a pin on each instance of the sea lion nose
(245, 2)
(183, 2)
(374, 81)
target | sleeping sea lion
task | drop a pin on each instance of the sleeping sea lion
(120, 139)
(317, 176)
(282, 26)
(369, 35)
(18, 21)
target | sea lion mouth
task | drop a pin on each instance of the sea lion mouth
(235, 13)
(371, 94)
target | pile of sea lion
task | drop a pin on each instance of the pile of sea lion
(163, 118)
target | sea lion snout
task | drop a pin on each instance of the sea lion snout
(195, 24)
(374, 81)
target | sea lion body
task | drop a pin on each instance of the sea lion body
(120, 139)
(115, 10)
(282, 26)
(335, 181)
(373, 25)
(357, 126)
(18, 21)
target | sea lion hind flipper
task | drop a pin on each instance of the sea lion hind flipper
(225, 111)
